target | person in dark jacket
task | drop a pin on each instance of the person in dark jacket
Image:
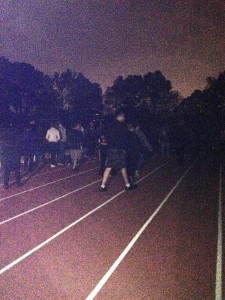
(103, 147)
(11, 156)
(116, 135)
(75, 144)
(134, 147)
(32, 148)
(91, 140)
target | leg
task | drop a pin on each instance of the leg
(53, 151)
(125, 177)
(106, 176)
(6, 176)
(17, 173)
(72, 156)
(75, 158)
(103, 156)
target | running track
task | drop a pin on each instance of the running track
(62, 239)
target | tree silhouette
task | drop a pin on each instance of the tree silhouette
(77, 94)
(151, 91)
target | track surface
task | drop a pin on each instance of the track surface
(62, 239)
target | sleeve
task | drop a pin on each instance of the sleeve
(58, 136)
(47, 135)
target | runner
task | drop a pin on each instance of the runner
(116, 135)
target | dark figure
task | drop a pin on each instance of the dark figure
(62, 145)
(116, 135)
(164, 142)
(134, 147)
(91, 140)
(11, 157)
(32, 148)
(146, 148)
(103, 147)
(75, 144)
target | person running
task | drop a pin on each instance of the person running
(116, 136)
(75, 143)
(53, 137)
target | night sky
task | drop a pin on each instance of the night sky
(185, 39)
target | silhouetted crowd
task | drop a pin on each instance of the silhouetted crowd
(118, 144)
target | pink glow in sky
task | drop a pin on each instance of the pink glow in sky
(185, 39)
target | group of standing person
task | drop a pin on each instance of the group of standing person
(122, 146)
(63, 147)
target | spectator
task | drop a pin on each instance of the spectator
(31, 148)
(62, 145)
(75, 143)
(103, 146)
(91, 140)
(146, 147)
(134, 147)
(53, 137)
(164, 143)
(11, 156)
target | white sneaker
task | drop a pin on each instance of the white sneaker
(53, 166)
(137, 175)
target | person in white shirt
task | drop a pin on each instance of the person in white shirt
(53, 137)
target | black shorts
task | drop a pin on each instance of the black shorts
(116, 159)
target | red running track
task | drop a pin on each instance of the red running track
(62, 239)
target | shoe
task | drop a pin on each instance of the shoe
(131, 187)
(76, 169)
(60, 164)
(137, 174)
(102, 189)
(53, 166)
(6, 186)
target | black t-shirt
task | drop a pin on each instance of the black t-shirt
(75, 139)
(116, 135)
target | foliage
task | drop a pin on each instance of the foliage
(151, 91)
(25, 90)
(77, 94)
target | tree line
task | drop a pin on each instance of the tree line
(26, 92)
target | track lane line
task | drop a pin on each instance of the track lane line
(48, 203)
(41, 245)
(46, 184)
(219, 263)
(108, 274)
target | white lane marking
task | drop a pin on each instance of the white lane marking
(49, 202)
(219, 264)
(108, 274)
(62, 168)
(30, 252)
(46, 184)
